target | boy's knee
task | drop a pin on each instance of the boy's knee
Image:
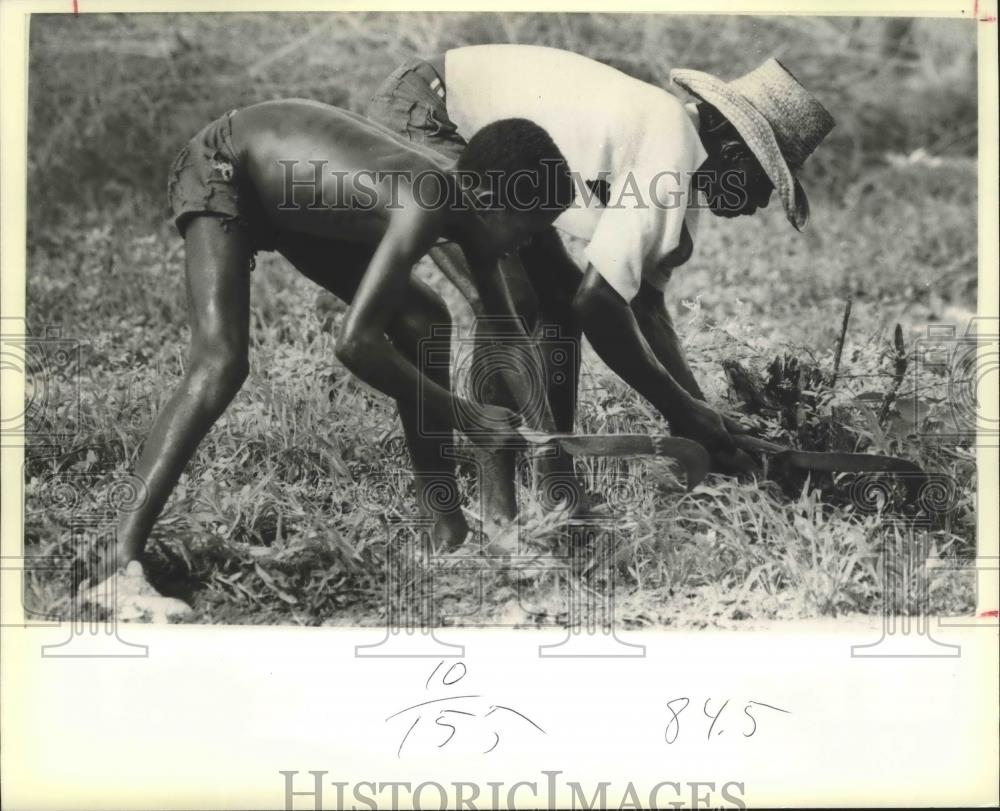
(216, 377)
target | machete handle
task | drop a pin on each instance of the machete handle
(534, 437)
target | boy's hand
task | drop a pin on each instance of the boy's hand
(488, 425)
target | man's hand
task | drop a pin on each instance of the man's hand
(733, 426)
(702, 423)
(707, 426)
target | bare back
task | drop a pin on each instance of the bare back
(324, 171)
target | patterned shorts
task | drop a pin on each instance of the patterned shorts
(206, 179)
(411, 102)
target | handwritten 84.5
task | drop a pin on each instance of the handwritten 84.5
(717, 717)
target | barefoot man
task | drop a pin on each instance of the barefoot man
(353, 207)
(643, 163)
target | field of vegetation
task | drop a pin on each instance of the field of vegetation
(279, 518)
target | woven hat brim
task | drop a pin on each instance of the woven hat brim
(754, 128)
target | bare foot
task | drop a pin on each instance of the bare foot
(128, 596)
(502, 538)
(450, 531)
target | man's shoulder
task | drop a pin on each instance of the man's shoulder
(666, 132)
(660, 107)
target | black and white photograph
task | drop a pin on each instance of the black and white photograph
(607, 324)
(686, 349)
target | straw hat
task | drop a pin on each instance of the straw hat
(779, 119)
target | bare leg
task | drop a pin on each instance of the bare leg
(497, 491)
(427, 435)
(218, 287)
(339, 267)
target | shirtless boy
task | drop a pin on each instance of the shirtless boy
(353, 207)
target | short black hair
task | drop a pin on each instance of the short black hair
(520, 165)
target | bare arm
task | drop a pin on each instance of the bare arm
(612, 329)
(497, 301)
(658, 329)
(363, 346)
(451, 262)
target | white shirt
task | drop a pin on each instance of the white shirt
(638, 137)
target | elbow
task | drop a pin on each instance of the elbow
(600, 312)
(353, 348)
(591, 303)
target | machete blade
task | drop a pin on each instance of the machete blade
(912, 475)
(692, 456)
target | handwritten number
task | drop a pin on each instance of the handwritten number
(496, 743)
(452, 676)
(447, 679)
(427, 684)
(771, 707)
(713, 717)
(672, 730)
(674, 722)
(445, 724)
(407, 735)
(746, 710)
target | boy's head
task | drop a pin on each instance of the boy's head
(520, 180)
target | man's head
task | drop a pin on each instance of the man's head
(764, 125)
(520, 180)
(731, 178)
